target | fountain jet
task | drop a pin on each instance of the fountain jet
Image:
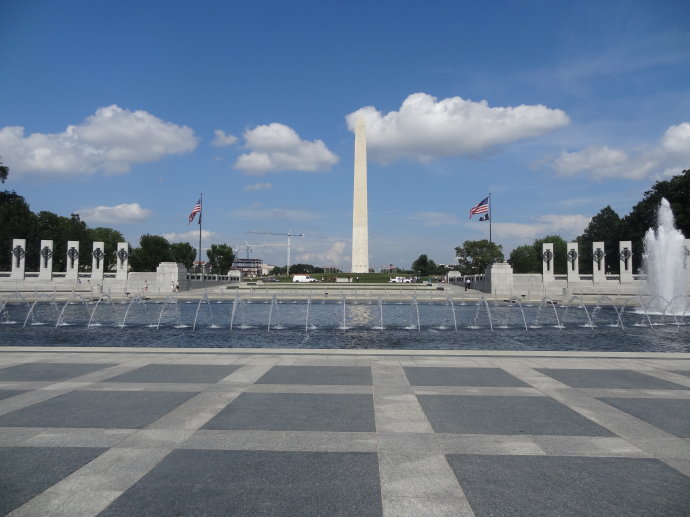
(664, 254)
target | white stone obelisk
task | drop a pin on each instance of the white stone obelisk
(360, 218)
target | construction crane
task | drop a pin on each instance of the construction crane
(289, 234)
(249, 247)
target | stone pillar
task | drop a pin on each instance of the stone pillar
(97, 256)
(598, 262)
(122, 261)
(18, 259)
(45, 269)
(625, 260)
(72, 267)
(547, 262)
(573, 264)
(170, 276)
(499, 276)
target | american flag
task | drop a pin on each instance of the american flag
(480, 208)
(195, 210)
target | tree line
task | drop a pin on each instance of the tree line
(606, 226)
(18, 221)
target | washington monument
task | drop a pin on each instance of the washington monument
(360, 219)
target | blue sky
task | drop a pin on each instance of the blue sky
(126, 111)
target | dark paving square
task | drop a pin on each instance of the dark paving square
(670, 415)
(25, 472)
(571, 486)
(256, 483)
(176, 373)
(48, 371)
(610, 379)
(4, 394)
(102, 409)
(297, 412)
(327, 375)
(505, 415)
(445, 376)
(682, 372)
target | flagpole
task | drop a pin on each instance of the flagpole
(201, 212)
(490, 219)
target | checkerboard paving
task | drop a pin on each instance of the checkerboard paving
(316, 432)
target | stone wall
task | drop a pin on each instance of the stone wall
(499, 280)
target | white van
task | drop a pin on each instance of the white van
(303, 278)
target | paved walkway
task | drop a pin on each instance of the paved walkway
(308, 432)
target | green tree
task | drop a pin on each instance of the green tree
(525, 260)
(109, 237)
(560, 250)
(221, 258)
(304, 269)
(50, 226)
(184, 253)
(4, 172)
(642, 217)
(424, 266)
(604, 227)
(60, 230)
(17, 222)
(474, 256)
(152, 250)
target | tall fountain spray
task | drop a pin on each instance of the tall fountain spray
(664, 257)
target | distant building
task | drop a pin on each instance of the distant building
(250, 268)
(203, 267)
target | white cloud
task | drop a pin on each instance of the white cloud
(118, 214)
(567, 226)
(223, 140)
(257, 186)
(191, 236)
(435, 219)
(333, 256)
(109, 141)
(258, 212)
(277, 147)
(426, 128)
(600, 162)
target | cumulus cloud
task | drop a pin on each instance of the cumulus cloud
(191, 236)
(566, 225)
(257, 186)
(667, 158)
(434, 218)
(118, 214)
(277, 147)
(258, 212)
(425, 128)
(109, 141)
(223, 140)
(334, 255)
